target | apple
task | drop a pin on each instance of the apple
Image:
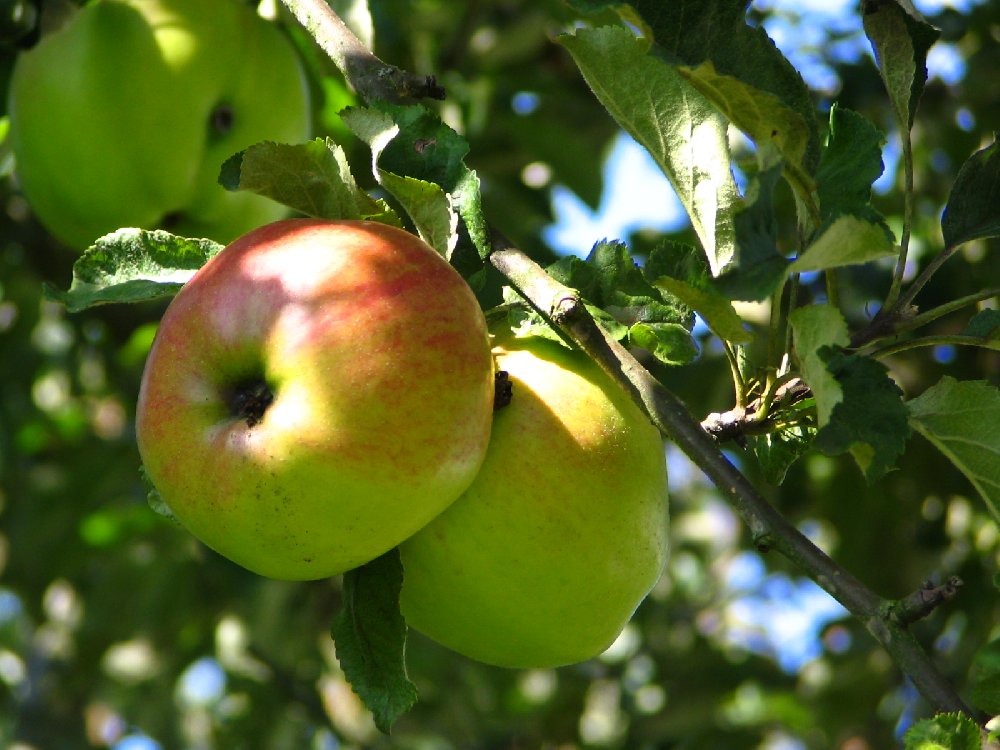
(546, 556)
(123, 116)
(315, 394)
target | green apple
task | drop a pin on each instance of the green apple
(123, 116)
(546, 556)
(315, 394)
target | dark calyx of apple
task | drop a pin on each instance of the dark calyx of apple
(220, 120)
(249, 399)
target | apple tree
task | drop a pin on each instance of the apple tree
(812, 352)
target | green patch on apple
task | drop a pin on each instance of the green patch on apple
(123, 116)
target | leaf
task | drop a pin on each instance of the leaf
(715, 309)
(370, 637)
(627, 304)
(870, 420)
(847, 240)
(900, 38)
(986, 678)
(962, 420)
(816, 327)
(973, 208)
(413, 151)
(680, 129)
(777, 451)
(944, 732)
(850, 163)
(758, 269)
(985, 324)
(668, 342)
(313, 178)
(133, 265)
(738, 68)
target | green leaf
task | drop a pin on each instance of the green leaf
(900, 38)
(370, 637)
(944, 732)
(738, 68)
(758, 269)
(973, 208)
(715, 309)
(986, 678)
(985, 324)
(313, 178)
(962, 420)
(621, 298)
(871, 420)
(676, 124)
(777, 451)
(814, 328)
(420, 160)
(850, 163)
(133, 265)
(847, 240)
(668, 342)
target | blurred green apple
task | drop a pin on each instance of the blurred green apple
(545, 557)
(315, 394)
(123, 116)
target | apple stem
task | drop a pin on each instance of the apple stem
(563, 307)
(503, 390)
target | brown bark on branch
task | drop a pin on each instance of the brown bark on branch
(769, 529)
(369, 76)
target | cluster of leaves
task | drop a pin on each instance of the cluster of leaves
(676, 77)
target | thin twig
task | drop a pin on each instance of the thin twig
(769, 529)
(370, 77)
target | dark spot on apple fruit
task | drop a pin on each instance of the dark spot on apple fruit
(221, 118)
(249, 400)
(503, 390)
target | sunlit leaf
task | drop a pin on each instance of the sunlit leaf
(715, 309)
(846, 241)
(962, 419)
(421, 161)
(944, 732)
(680, 129)
(739, 69)
(313, 178)
(133, 265)
(815, 327)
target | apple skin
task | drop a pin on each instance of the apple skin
(123, 116)
(376, 354)
(546, 556)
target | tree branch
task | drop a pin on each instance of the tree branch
(769, 529)
(369, 76)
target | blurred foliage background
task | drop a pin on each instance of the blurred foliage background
(118, 630)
